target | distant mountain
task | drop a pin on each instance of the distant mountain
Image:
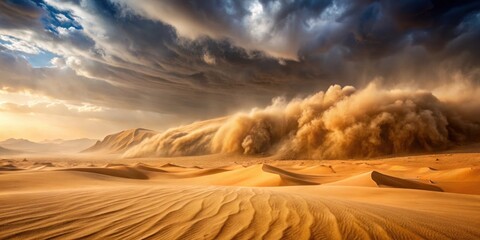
(47, 146)
(5, 151)
(57, 141)
(22, 145)
(121, 141)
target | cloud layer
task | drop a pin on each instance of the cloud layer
(201, 59)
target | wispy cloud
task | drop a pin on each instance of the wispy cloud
(18, 45)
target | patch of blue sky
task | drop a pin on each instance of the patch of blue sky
(38, 58)
(51, 19)
(54, 18)
(41, 60)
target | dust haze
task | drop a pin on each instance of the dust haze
(341, 122)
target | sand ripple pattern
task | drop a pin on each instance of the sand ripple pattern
(187, 212)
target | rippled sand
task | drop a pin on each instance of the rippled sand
(396, 198)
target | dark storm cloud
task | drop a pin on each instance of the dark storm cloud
(19, 14)
(385, 27)
(200, 59)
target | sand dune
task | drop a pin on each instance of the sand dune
(192, 139)
(115, 171)
(8, 167)
(279, 200)
(121, 141)
(375, 178)
(6, 151)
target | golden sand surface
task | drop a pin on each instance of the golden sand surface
(434, 196)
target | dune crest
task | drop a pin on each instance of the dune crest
(339, 123)
(121, 141)
(375, 178)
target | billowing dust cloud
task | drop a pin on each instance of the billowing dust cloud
(339, 123)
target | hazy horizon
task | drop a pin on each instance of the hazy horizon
(74, 69)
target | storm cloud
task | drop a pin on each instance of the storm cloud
(203, 59)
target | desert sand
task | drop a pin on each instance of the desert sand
(433, 196)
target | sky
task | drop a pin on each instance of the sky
(87, 68)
